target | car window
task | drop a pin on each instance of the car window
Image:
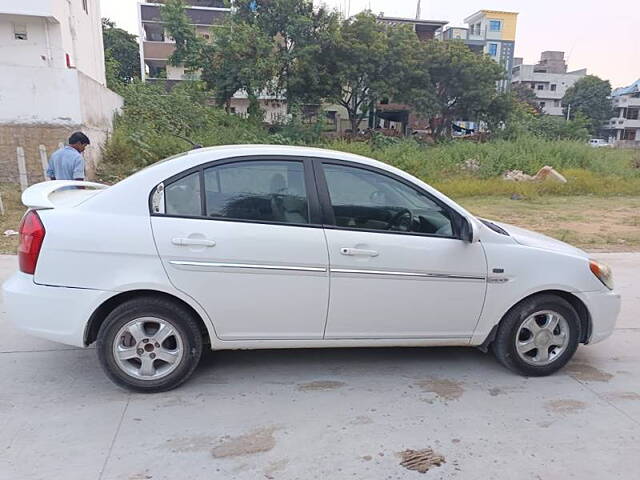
(271, 191)
(371, 201)
(182, 197)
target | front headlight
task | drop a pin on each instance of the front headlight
(603, 272)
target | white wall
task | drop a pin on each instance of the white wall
(55, 28)
(175, 73)
(55, 96)
(45, 8)
(39, 95)
(43, 46)
(97, 103)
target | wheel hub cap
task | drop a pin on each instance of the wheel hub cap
(542, 337)
(148, 348)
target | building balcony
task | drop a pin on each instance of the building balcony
(32, 8)
(197, 16)
(197, 3)
(158, 50)
(626, 101)
(622, 123)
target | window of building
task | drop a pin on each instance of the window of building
(263, 191)
(541, 86)
(633, 114)
(553, 87)
(19, 31)
(495, 25)
(533, 86)
(85, 7)
(556, 103)
(543, 104)
(366, 200)
(493, 49)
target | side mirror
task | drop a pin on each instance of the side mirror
(469, 231)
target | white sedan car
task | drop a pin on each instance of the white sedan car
(246, 247)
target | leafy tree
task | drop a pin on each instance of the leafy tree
(300, 34)
(360, 56)
(121, 53)
(188, 43)
(526, 96)
(589, 97)
(239, 58)
(463, 83)
(372, 61)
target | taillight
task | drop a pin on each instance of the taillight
(31, 237)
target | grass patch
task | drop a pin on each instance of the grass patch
(11, 219)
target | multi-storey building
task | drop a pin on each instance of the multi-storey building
(52, 83)
(624, 127)
(425, 29)
(548, 79)
(156, 46)
(492, 32)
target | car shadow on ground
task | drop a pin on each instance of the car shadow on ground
(312, 363)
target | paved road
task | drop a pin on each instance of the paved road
(326, 414)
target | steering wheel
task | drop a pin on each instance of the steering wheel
(402, 221)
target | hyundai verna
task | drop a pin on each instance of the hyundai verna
(247, 247)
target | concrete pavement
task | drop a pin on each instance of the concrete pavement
(326, 414)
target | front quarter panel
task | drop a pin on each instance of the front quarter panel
(526, 271)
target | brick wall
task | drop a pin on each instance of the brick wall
(29, 137)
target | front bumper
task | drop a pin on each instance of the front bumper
(59, 314)
(604, 308)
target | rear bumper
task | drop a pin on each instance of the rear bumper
(604, 307)
(59, 314)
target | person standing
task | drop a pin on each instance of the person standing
(67, 162)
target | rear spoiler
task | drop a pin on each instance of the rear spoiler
(39, 195)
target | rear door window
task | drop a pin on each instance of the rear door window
(264, 191)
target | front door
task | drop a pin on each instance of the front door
(398, 268)
(238, 238)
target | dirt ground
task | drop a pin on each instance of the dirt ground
(593, 223)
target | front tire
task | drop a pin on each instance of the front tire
(538, 336)
(149, 345)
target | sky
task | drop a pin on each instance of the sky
(600, 36)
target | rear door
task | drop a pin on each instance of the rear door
(398, 266)
(243, 238)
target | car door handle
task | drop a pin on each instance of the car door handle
(358, 251)
(200, 242)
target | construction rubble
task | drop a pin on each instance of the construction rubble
(545, 173)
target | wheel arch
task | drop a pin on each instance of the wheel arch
(579, 306)
(100, 314)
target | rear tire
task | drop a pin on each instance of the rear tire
(149, 345)
(538, 336)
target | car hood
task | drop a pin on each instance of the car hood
(537, 240)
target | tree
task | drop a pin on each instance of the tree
(463, 83)
(372, 61)
(526, 96)
(188, 45)
(360, 56)
(589, 97)
(239, 58)
(300, 34)
(121, 54)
